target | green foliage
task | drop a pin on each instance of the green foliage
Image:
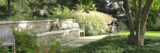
(3, 12)
(50, 47)
(153, 15)
(94, 22)
(122, 26)
(68, 3)
(152, 19)
(4, 49)
(155, 5)
(3, 9)
(86, 5)
(62, 12)
(24, 41)
(86, 8)
(156, 28)
(107, 6)
(119, 44)
(93, 26)
(25, 11)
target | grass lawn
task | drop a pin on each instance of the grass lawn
(119, 44)
(157, 33)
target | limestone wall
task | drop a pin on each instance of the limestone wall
(68, 30)
(36, 26)
(61, 36)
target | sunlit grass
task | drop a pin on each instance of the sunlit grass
(149, 33)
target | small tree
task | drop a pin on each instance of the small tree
(141, 16)
(9, 7)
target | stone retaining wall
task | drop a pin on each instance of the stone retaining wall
(66, 33)
(61, 36)
(36, 26)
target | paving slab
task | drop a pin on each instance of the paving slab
(83, 40)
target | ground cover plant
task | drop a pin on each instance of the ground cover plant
(119, 44)
(26, 43)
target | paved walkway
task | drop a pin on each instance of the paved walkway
(83, 40)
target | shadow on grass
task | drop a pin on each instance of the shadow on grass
(118, 44)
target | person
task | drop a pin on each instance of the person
(114, 26)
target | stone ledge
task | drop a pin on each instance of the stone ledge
(12, 22)
(60, 36)
(55, 32)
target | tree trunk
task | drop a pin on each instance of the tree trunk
(143, 22)
(131, 38)
(9, 8)
(19, 15)
(141, 16)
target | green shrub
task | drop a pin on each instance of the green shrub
(155, 28)
(94, 22)
(86, 5)
(4, 49)
(122, 26)
(3, 10)
(25, 42)
(62, 12)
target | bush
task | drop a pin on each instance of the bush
(3, 10)
(86, 5)
(62, 12)
(24, 41)
(155, 28)
(122, 26)
(94, 22)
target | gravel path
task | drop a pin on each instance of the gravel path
(83, 40)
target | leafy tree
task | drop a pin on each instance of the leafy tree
(3, 9)
(69, 3)
(86, 5)
(141, 16)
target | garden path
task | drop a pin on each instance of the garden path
(83, 40)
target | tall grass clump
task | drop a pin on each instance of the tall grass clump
(95, 23)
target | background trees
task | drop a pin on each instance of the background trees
(31, 8)
(153, 15)
(3, 9)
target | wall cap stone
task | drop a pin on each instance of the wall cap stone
(14, 22)
(56, 32)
